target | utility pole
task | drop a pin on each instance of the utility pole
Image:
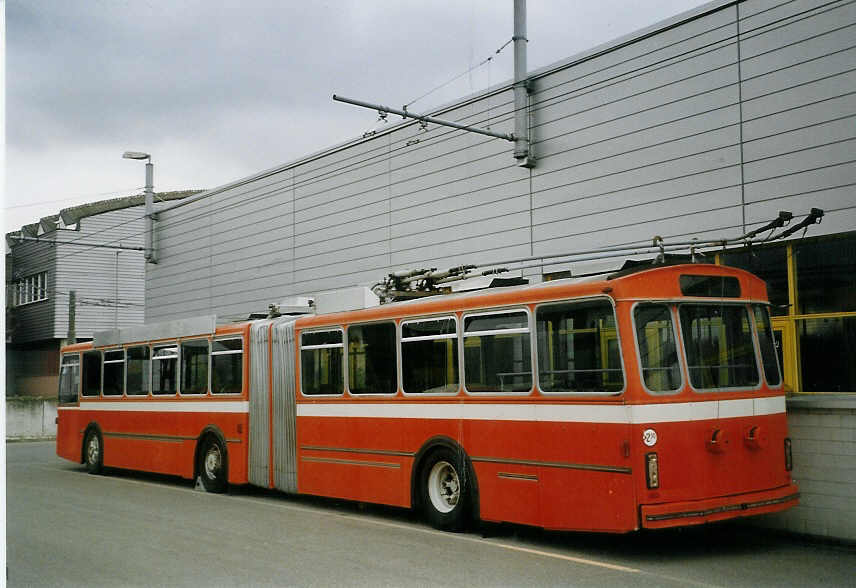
(521, 88)
(151, 215)
(72, 311)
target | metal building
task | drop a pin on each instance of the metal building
(703, 125)
(93, 252)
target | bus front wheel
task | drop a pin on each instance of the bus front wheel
(445, 489)
(212, 465)
(93, 455)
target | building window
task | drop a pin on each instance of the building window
(826, 356)
(771, 265)
(810, 283)
(826, 275)
(31, 289)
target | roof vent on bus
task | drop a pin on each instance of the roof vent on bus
(294, 306)
(354, 298)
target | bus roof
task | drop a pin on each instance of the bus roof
(644, 282)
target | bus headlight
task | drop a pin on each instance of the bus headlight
(789, 460)
(652, 471)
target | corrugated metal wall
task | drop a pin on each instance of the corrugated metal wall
(34, 321)
(702, 126)
(99, 276)
(102, 276)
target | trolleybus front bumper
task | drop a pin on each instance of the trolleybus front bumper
(696, 512)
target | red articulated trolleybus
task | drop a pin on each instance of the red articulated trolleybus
(648, 398)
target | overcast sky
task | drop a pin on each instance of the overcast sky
(216, 90)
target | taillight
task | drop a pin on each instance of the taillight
(789, 460)
(652, 471)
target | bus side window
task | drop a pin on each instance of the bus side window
(69, 378)
(194, 366)
(114, 372)
(165, 369)
(92, 373)
(139, 367)
(227, 363)
(321, 360)
(578, 348)
(429, 356)
(371, 359)
(497, 352)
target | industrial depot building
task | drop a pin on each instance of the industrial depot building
(705, 125)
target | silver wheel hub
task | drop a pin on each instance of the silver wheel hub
(444, 487)
(212, 462)
(92, 450)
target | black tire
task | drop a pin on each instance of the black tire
(445, 489)
(93, 452)
(212, 468)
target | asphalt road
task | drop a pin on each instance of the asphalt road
(66, 527)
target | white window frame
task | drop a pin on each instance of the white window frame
(527, 330)
(340, 345)
(225, 352)
(578, 393)
(402, 340)
(31, 289)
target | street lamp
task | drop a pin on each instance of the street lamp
(150, 255)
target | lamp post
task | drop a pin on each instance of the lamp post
(150, 254)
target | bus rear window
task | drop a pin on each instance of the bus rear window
(658, 351)
(92, 373)
(767, 346)
(69, 378)
(719, 347)
(710, 286)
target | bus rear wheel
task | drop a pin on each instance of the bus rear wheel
(212, 465)
(93, 456)
(445, 490)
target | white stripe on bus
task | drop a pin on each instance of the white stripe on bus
(173, 406)
(565, 413)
